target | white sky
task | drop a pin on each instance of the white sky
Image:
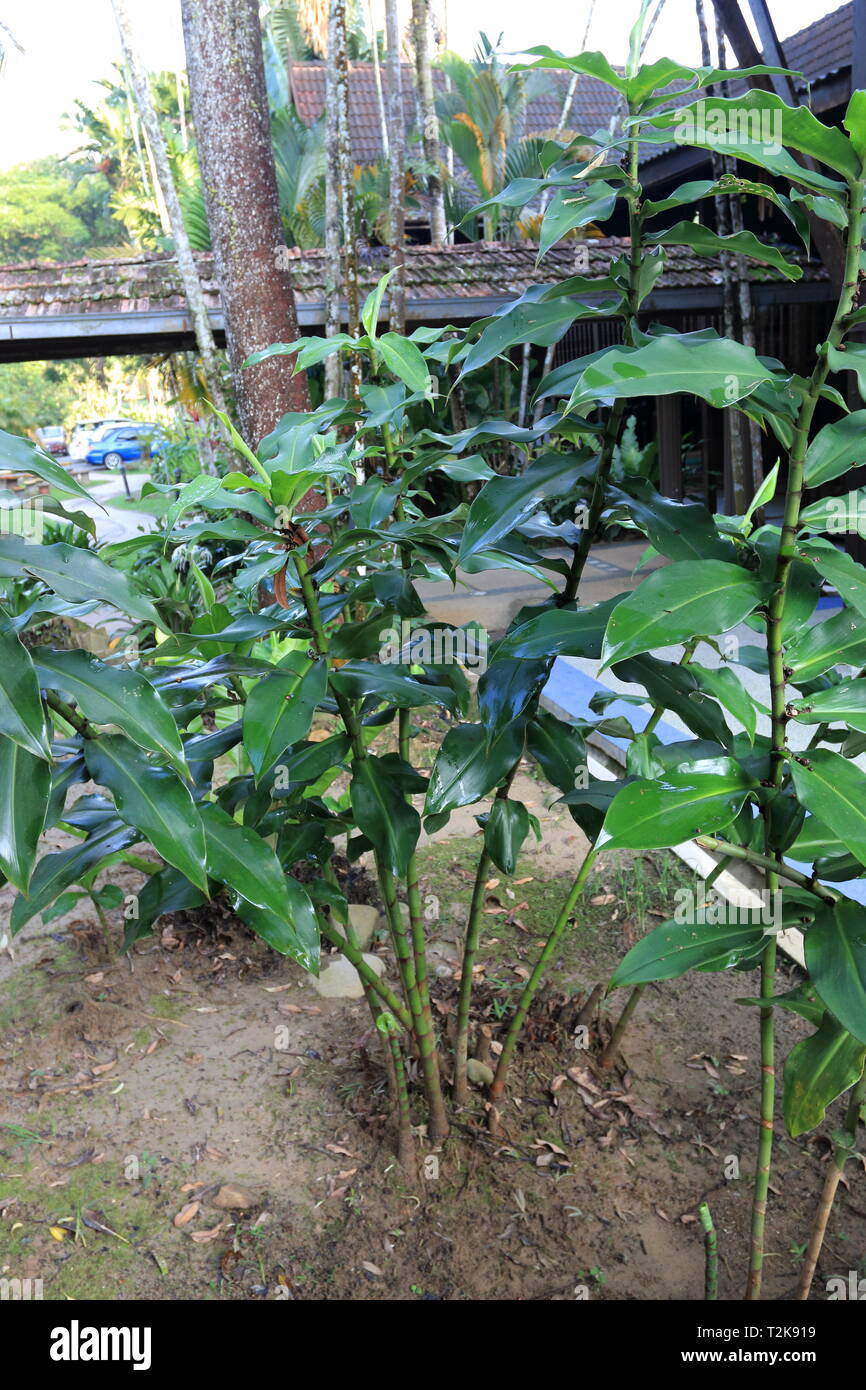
(70, 43)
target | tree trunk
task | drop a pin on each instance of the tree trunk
(337, 41)
(165, 184)
(377, 74)
(429, 119)
(396, 171)
(333, 264)
(229, 106)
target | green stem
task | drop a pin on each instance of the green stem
(368, 976)
(406, 1144)
(768, 863)
(711, 1267)
(75, 720)
(778, 706)
(841, 1153)
(531, 986)
(421, 1027)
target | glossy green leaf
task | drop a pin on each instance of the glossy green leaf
(165, 891)
(836, 448)
(310, 761)
(844, 703)
(295, 935)
(152, 799)
(467, 767)
(754, 126)
(818, 1070)
(22, 455)
(851, 358)
(831, 642)
(56, 872)
(557, 747)
(679, 530)
(238, 857)
(559, 632)
(836, 962)
(591, 64)
(846, 575)
(75, 574)
(687, 599)
(708, 243)
(717, 370)
(657, 814)
(26, 781)
(834, 790)
(570, 208)
(22, 717)
(383, 814)
(505, 690)
(674, 948)
(114, 695)
(406, 361)
(840, 516)
(280, 708)
(504, 502)
(504, 833)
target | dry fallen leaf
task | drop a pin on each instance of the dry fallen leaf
(186, 1213)
(201, 1236)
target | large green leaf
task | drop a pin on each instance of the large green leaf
(22, 717)
(540, 323)
(845, 703)
(505, 690)
(836, 961)
(834, 790)
(238, 857)
(690, 598)
(467, 767)
(836, 640)
(570, 208)
(590, 64)
(152, 799)
(56, 872)
(817, 1070)
(657, 814)
(674, 948)
(558, 748)
(559, 632)
(753, 126)
(850, 358)
(405, 360)
(383, 814)
(280, 708)
(835, 449)
(393, 684)
(708, 243)
(19, 454)
(506, 828)
(679, 530)
(841, 516)
(75, 574)
(114, 695)
(26, 781)
(716, 369)
(842, 571)
(504, 502)
(295, 935)
(677, 688)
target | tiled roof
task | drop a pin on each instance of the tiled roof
(469, 271)
(592, 107)
(824, 47)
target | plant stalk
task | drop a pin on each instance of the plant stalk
(841, 1153)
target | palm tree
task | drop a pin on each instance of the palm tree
(482, 118)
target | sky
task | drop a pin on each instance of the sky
(68, 44)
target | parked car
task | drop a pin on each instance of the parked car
(52, 438)
(124, 445)
(87, 432)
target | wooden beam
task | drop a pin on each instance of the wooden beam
(827, 238)
(669, 419)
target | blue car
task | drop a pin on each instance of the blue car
(124, 444)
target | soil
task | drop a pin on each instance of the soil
(134, 1088)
